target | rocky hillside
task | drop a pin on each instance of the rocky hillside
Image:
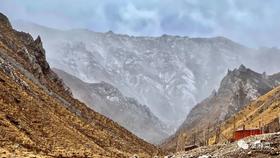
(109, 101)
(261, 112)
(39, 116)
(167, 73)
(238, 88)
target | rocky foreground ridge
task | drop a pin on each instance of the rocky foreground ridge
(39, 116)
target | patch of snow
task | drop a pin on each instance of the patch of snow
(113, 99)
(242, 144)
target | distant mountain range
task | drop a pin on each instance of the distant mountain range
(109, 101)
(169, 74)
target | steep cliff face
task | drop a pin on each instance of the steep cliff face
(238, 88)
(109, 101)
(39, 116)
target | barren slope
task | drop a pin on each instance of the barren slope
(38, 115)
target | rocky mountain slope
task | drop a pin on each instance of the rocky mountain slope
(238, 88)
(109, 101)
(39, 116)
(167, 73)
(261, 112)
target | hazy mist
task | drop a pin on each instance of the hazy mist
(250, 22)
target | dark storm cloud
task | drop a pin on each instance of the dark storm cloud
(252, 22)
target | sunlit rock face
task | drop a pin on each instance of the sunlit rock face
(169, 74)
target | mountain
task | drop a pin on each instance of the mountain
(109, 101)
(167, 73)
(39, 116)
(237, 89)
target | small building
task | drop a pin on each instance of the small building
(242, 133)
(190, 147)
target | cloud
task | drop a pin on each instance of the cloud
(251, 22)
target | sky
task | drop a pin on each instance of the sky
(253, 23)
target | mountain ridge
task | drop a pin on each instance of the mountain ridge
(26, 24)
